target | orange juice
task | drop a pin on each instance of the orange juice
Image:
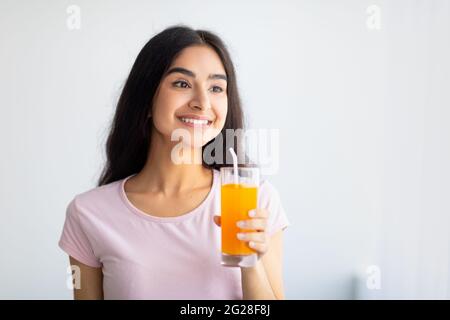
(237, 200)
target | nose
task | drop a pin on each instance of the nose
(200, 101)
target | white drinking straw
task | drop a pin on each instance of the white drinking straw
(235, 166)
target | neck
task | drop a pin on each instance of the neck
(162, 174)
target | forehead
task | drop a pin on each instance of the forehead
(201, 59)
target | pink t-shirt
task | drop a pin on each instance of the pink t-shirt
(149, 257)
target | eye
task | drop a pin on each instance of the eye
(216, 89)
(181, 84)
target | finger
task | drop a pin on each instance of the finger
(261, 248)
(217, 220)
(253, 224)
(258, 213)
(259, 237)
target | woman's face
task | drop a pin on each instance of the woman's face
(192, 96)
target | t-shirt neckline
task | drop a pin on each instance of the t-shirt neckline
(180, 218)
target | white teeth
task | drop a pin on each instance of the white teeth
(195, 121)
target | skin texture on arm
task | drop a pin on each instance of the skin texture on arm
(273, 264)
(91, 282)
(265, 280)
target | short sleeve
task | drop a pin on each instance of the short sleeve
(74, 240)
(269, 199)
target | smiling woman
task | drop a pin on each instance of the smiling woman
(173, 69)
(148, 231)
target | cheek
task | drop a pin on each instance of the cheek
(163, 111)
(221, 114)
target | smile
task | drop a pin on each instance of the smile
(195, 122)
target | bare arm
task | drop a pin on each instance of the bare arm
(265, 280)
(91, 282)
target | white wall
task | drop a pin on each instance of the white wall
(363, 116)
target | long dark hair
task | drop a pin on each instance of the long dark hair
(128, 141)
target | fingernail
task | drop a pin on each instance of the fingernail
(251, 244)
(252, 213)
(240, 236)
(241, 224)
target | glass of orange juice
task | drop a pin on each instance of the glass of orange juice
(237, 199)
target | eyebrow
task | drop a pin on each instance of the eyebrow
(189, 73)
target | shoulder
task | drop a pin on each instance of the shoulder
(269, 197)
(95, 199)
(267, 190)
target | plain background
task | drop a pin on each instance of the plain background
(363, 116)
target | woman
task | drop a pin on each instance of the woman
(148, 231)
